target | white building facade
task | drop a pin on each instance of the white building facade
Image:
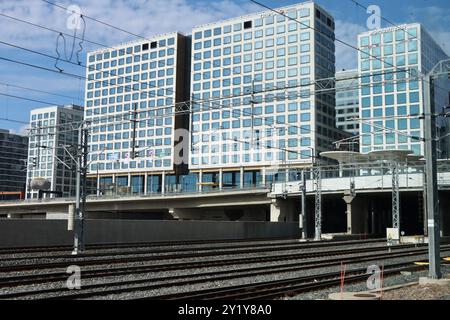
(266, 112)
(392, 93)
(347, 101)
(52, 129)
(130, 96)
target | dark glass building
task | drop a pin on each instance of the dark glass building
(13, 155)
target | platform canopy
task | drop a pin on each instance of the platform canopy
(346, 157)
(349, 157)
(390, 155)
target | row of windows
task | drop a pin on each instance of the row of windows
(269, 65)
(133, 60)
(125, 98)
(270, 54)
(389, 100)
(265, 134)
(237, 27)
(253, 157)
(166, 163)
(412, 110)
(129, 70)
(399, 61)
(389, 138)
(137, 87)
(131, 50)
(388, 50)
(128, 79)
(258, 46)
(388, 37)
(135, 68)
(247, 123)
(269, 109)
(280, 40)
(281, 52)
(258, 145)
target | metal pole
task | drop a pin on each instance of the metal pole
(133, 150)
(395, 196)
(78, 234)
(303, 217)
(432, 185)
(318, 205)
(252, 102)
(84, 166)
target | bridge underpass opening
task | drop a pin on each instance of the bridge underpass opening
(370, 214)
(255, 213)
(334, 217)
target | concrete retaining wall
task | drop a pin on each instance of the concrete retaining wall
(25, 233)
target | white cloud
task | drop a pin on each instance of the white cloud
(347, 57)
(141, 17)
(435, 20)
(23, 130)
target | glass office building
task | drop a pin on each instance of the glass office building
(256, 102)
(392, 94)
(52, 129)
(13, 158)
(347, 101)
(130, 96)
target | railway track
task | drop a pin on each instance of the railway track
(163, 254)
(139, 285)
(127, 259)
(256, 242)
(144, 248)
(281, 288)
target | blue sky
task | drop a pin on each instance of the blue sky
(150, 17)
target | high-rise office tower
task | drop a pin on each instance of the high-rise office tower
(52, 140)
(130, 96)
(392, 92)
(347, 101)
(258, 101)
(13, 158)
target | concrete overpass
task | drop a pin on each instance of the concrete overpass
(244, 205)
(369, 209)
(368, 212)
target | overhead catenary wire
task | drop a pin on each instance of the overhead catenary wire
(228, 97)
(40, 91)
(68, 35)
(402, 70)
(335, 39)
(96, 20)
(126, 116)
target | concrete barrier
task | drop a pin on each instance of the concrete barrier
(26, 233)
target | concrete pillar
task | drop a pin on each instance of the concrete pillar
(221, 179)
(145, 184)
(283, 210)
(71, 217)
(357, 215)
(348, 200)
(263, 176)
(200, 181)
(163, 183)
(98, 185)
(275, 211)
(242, 178)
